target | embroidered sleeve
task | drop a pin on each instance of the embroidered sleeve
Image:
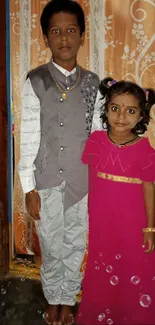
(29, 137)
(148, 165)
(97, 123)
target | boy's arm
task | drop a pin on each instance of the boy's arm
(29, 137)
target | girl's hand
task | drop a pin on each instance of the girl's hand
(149, 242)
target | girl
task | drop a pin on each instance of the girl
(119, 284)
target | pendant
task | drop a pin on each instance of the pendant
(64, 95)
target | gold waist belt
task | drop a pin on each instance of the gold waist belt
(121, 179)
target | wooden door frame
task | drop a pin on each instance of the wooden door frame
(10, 134)
(5, 139)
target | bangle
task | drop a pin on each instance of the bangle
(149, 229)
(34, 191)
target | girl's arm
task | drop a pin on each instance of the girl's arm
(149, 199)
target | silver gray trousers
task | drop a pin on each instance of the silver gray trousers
(62, 233)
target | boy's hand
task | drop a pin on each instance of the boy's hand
(33, 204)
(149, 242)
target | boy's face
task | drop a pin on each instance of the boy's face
(64, 39)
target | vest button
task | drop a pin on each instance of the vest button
(60, 171)
(61, 99)
(61, 124)
(61, 148)
(68, 88)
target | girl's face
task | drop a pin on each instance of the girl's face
(123, 113)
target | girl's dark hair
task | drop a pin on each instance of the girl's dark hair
(57, 6)
(109, 88)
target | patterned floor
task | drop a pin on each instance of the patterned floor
(24, 267)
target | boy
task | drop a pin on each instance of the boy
(57, 112)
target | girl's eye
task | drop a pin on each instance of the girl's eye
(114, 108)
(131, 111)
(71, 30)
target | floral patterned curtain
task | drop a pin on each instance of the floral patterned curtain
(130, 45)
(120, 42)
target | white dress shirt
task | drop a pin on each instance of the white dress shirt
(31, 133)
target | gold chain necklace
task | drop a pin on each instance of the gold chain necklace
(65, 92)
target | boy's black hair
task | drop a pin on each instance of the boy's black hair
(127, 87)
(57, 6)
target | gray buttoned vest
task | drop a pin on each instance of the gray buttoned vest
(65, 124)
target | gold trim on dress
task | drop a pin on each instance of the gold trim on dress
(121, 179)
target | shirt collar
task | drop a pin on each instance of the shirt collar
(64, 71)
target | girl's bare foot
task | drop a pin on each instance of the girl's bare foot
(66, 315)
(51, 315)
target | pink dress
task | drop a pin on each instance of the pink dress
(119, 284)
